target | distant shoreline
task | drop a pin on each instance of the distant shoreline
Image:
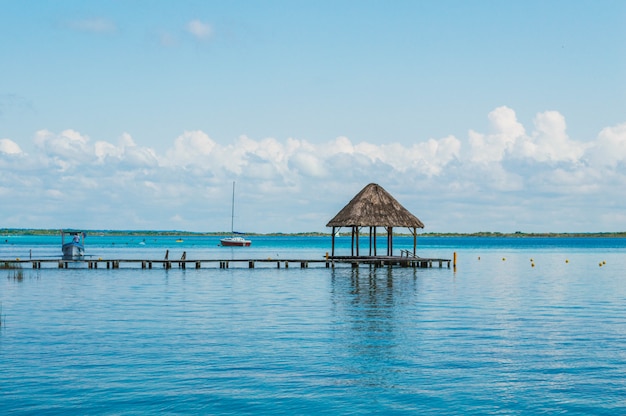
(165, 233)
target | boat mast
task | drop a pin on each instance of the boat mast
(232, 212)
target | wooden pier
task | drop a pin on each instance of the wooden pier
(184, 263)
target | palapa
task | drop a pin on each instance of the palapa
(374, 207)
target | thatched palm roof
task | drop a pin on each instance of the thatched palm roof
(374, 207)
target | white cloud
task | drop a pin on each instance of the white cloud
(506, 130)
(308, 165)
(67, 149)
(340, 145)
(527, 174)
(9, 147)
(609, 149)
(192, 147)
(550, 142)
(508, 140)
(200, 30)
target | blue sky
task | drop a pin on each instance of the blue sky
(477, 116)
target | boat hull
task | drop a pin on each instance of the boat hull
(235, 242)
(73, 250)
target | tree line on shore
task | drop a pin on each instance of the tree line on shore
(517, 234)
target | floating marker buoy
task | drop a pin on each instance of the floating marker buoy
(604, 262)
(566, 261)
(478, 257)
(531, 259)
(600, 264)
(503, 259)
(17, 259)
(532, 264)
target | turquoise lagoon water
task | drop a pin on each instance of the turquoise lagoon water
(494, 336)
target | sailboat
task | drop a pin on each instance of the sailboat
(234, 241)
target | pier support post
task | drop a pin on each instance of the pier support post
(198, 264)
(251, 265)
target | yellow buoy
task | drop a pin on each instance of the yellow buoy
(532, 264)
(503, 259)
(17, 259)
(566, 261)
(604, 262)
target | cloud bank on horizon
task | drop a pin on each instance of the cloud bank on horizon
(509, 178)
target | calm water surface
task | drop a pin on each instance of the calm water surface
(496, 336)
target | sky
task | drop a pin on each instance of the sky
(496, 116)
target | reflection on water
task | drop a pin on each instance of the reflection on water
(373, 305)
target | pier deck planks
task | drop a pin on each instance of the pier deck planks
(353, 261)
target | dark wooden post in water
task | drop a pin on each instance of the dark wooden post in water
(358, 232)
(375, 234)
(389, 240)
(352, 243)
